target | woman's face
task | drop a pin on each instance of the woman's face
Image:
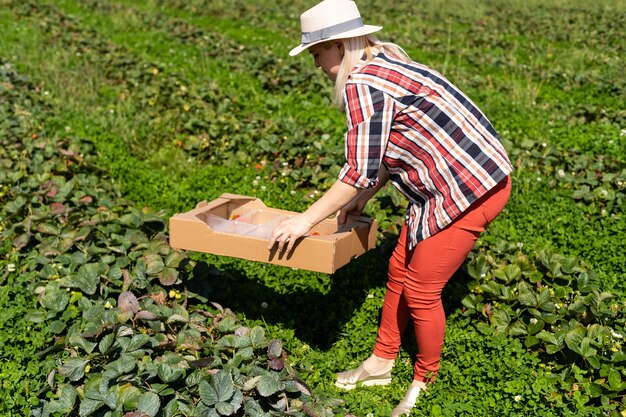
(328, 57)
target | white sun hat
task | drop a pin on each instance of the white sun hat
(331, 19)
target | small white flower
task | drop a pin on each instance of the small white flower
(623, 132)
(285, 164)
(533, 321)
(544, 144)
(292, 192)
(263, 304)
(67, 128)
(45, 93)
(316, 192)
(311, 195)
(520, 245)
(255, 183)
(518, 398)
(483, 275)
(604, 192)
(561, 173)
(617, 335)
(603, 212)
(284, 174)
(538, 178)
(111, 111)
(263, 187)
(370, 296)
(11, 267)
(257, 178)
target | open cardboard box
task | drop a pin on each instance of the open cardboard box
(240, 226)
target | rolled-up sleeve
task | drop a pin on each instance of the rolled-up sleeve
(370, 114)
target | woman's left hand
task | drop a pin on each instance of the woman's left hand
(288, 231)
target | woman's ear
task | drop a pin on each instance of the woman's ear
(340, 47)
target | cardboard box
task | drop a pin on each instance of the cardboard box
(240, 226)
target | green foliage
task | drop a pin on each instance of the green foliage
(101, 268)
(557, 306)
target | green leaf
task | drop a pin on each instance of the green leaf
(479, 268)
(168, 276)
(55, 299)
(15, 205)
(253, 409)
(242, 341)
(36, 316)
(86, 279)
(245, 353)
(189, 339)
(73, 368)
(173, 260)
(513, 272)
(196, 377)
(223, 384)
(169, 373)
(154, 264)
(121, 366)
(257, 337)
(586, 350)
(594, 331)
(149, 403)
(171, 408)
(106, 343)
(78, 340)
(65, 402)
(228, 324)
(552, 349)
(268, 384)
(137, 341)
(574, 338)
(500, 320)
(527, 298)
(129, 396)
(225, 409)
(517, 329)
(208, 395)
(536, 327)
(88, 407)
(548, 337)
(594, 362)
(615, 379)
(47, 228)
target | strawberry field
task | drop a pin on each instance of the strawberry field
(115, 115)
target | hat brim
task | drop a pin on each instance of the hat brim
(364, 30)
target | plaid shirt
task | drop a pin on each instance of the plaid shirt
(440, 150)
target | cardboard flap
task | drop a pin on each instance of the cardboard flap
(241, 199)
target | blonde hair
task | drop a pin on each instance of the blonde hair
(360, 51)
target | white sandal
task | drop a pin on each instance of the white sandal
(349, 379)
(408, 402)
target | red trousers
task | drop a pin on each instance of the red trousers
(417, 277)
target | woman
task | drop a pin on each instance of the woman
(408, 125)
